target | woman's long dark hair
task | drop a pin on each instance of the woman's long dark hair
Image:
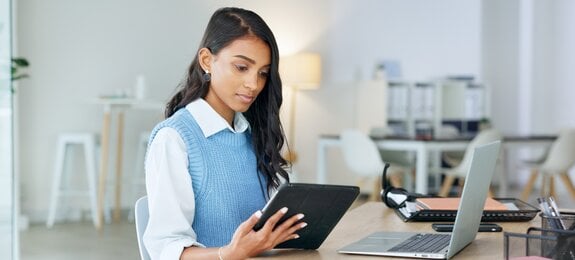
(225, 26)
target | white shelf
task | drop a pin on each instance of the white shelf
(416, 105)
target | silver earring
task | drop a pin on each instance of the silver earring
(207, 76)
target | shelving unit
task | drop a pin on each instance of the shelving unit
(420, 109)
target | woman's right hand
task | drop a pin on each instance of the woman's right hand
(248, 243)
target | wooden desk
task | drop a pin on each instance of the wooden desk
(118, 105)
(374, 216)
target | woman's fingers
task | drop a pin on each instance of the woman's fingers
(287, 229)
(274, 219)
(248, 225)
(275, 233)
(289, 223)
(291, 232)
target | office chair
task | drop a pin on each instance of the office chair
(141, 219)
(459, 172)
(559, 160)
(363, 158)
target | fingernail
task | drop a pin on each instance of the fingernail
(284, 210)
(300, 216)
(303, 225)
(296, 236)
(258, 214)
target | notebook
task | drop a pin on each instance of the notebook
(453, 204)
(440, 245)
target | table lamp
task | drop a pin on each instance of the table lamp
(299, 71)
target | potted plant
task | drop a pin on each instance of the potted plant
(17, 65)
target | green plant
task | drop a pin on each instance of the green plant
(19, 63)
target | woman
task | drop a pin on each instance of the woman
(212, 164)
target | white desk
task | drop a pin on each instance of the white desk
(118, 105)
(422, 148)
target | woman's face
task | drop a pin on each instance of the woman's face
(239, 73)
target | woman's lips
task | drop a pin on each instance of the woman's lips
(246, 98)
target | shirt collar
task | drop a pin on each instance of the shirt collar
(211, 122)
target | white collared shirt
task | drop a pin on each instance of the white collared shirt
(169, 185)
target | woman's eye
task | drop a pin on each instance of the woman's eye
(241, 68)
(264, 74)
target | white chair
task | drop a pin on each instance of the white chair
(138, 177)
(559, 160)
(460, 171)
(452, 158)
(363, 158)
(65, 141)
(141, 217)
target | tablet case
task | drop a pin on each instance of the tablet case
(523, 212)
(323, 206)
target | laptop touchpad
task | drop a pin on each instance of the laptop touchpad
(382, 240)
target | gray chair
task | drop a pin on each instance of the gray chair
(141, 218)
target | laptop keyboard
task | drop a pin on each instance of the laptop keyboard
(431, 243)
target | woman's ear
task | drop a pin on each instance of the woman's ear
(205, 59)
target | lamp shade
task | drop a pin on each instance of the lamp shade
(302, 70)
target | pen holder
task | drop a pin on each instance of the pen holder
(547, 243)
(557, 248)
(566, 221)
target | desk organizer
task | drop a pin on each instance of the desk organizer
(548, 241)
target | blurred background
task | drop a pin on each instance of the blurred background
(84, 53)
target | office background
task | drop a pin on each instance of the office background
(82, 49)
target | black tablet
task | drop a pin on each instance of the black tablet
(323, 207)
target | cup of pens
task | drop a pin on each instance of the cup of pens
(560, 226)
(565, 221)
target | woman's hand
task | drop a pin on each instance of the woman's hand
(248, 243)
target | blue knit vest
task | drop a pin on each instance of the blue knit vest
(224, 176)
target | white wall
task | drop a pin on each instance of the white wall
(80, 50)
(500, 60)
(552, 35)
(563, 91)
(430, 38)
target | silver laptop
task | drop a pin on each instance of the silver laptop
(403, 244)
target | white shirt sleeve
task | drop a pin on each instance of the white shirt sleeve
(170, 197)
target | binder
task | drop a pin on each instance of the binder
(517, 211)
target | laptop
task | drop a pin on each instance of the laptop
(440, 245)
